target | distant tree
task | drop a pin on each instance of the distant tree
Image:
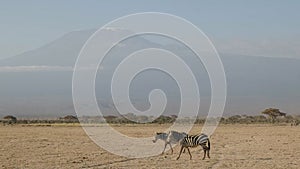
(200, 121)
(234, 119)
(247, 119)
(163, 119)
(69, 119)
(222, 120)
(260, 119)
(10, 119)
(273, 113)
(110, 118)
(142, 119)
(289, 119)
(174, 116)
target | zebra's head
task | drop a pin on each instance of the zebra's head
(159, 136)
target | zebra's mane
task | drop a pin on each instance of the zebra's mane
(159, 133)
(162, 135)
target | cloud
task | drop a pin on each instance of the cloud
(34, 68)
(284, 47)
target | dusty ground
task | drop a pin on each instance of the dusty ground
(233, 146)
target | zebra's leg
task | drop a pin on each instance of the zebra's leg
(184, 150)
(206, 150)
(171, 148)
(164, 148)
(204, 154)
(180, 153)
(208, 153)
(189, 153)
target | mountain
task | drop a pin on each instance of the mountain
(39, 82)
(61, 52)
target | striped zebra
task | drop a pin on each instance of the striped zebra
(194, 141)
(172, 137)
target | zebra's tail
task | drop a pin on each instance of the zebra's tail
(208, 143)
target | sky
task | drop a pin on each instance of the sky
(240, 28)
(261, 28)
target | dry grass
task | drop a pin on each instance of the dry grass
(67, 146)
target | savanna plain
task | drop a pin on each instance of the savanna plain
(266, 146)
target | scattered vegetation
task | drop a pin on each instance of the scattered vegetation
(69, 119)
(272, 117)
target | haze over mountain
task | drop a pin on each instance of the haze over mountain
(39, 82)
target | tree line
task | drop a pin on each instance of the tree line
(267, 116)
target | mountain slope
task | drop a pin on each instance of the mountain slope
(254, 83)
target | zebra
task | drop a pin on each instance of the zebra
(172, 137)
(194, 141)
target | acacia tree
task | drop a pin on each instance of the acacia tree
(273, 113)
(10, 119)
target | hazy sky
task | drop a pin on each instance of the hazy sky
(254, 28)
(268, 28)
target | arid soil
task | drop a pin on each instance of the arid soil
(232, 146)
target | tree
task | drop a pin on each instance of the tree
(110, 118)
(273, 113)
(69, 119)
(10, 119)
(234, 119)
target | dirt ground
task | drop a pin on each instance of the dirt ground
(232, 146)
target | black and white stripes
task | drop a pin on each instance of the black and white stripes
(172, 137)
(194, 141)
